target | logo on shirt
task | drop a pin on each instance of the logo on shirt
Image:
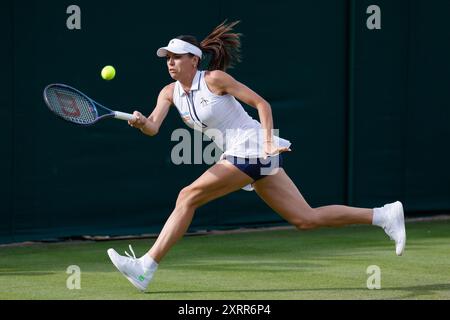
(185, 116)
(203, 102)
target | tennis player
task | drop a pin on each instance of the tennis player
(252, 154)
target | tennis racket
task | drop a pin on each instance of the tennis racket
(74, 106)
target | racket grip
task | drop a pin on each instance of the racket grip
(124, 116)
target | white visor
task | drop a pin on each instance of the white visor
(178, 46)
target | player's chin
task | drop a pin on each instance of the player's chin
(173, 75)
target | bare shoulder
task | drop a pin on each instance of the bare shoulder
(218, 81)
(167, 91)
(217, 76)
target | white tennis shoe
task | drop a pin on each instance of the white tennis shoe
(394, 225)
(132, 268)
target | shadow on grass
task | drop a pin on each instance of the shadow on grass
(26, 273)
(246, 266)
(413, 291)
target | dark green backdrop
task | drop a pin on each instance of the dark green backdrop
(367, 111)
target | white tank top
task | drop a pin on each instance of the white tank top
(212, 114)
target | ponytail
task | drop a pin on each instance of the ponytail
(223, 46)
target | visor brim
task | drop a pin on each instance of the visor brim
(162, 52)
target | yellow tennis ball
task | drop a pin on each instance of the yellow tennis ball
(108, 73)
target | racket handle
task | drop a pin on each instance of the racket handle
(123, 116)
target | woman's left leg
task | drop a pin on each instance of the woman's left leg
(281, 194)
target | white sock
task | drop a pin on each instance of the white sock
(378, 217)
(148, 262)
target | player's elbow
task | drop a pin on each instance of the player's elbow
(150, 129)
(263, 105)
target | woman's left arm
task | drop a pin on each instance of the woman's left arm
(222, 83)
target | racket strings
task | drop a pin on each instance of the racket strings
(71, 106)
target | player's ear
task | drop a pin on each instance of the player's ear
(195, 61)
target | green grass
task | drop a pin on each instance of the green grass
(274, 264)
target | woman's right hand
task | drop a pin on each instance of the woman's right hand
(139, 122)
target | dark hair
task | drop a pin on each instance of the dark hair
(222, 46)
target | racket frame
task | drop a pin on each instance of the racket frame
(92, 104)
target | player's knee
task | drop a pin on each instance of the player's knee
(188, 197)
(304, 225)
(308, 221)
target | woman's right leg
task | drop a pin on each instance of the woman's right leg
(217, 181)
